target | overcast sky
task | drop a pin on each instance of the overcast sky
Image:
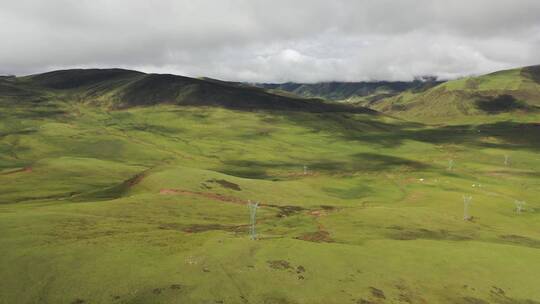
(272, 41)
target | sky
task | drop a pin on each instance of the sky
(272, 41)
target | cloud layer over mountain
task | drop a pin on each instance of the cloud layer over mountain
(272, 41)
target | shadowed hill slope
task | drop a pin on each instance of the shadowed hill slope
(77, 78)
(117, 88)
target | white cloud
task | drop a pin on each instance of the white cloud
(258, 40)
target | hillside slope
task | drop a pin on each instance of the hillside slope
(362, 92)
(505, 92)
(117, 88)
(149, 204)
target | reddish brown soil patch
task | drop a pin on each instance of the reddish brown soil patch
(135, 180)
(25, 170)
(176, 286)
(317, 213)
(328, 207)
(364, 301)
(377, 293)
(400, 233)
(225, 184)
(214, 196)
(285, 210)
(202, 228)
(322, 212)
(279, 264)
(320, 236)
(196, 228)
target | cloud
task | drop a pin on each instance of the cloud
(272, 41)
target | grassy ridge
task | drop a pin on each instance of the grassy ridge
(148, 204)
(504, 93)
(118, 89)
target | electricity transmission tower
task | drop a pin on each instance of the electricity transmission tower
(305, 170)
(252, 218)
(451, 165)
(466, 204)
(520, 206)
(506, 159)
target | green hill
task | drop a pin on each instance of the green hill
(117, 88)
(503, 93)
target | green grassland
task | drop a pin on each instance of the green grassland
(497, 96)
(101, 203)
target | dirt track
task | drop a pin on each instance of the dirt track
(25, 170)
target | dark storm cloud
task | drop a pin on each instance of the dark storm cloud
(253, 40)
